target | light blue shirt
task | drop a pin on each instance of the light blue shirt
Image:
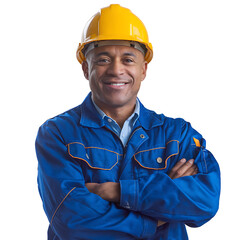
(128, 125)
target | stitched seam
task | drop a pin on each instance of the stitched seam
(149, 150)
(204, 159)
(156, 148)
(88, 162)
(137, 193)
(61, 204)
(95, 147)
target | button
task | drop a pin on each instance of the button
(159, 160)
(127, 205)
(109, 120)
(142, 136)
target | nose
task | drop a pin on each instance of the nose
(116, 68)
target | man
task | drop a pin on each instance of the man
(112, 169)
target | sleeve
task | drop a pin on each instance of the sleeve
(193, 200)
(74, 212)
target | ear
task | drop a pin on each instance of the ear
(144, 70)
(85, 69)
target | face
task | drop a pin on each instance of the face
(115, 74)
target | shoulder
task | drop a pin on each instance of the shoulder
(170, 121)
(159, 119)
(173, 121)
(69, 117)
(172, 127)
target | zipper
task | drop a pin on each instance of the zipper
(117, 137)
(122, 166)
(136, 129)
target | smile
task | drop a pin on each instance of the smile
(117, 84)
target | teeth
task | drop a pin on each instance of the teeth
(117, 84)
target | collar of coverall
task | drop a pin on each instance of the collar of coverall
(133, 44)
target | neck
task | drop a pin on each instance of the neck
(120, 114)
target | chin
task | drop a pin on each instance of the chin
(118, 103)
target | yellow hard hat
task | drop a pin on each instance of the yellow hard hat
(115, 23)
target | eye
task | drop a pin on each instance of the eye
(102, 61)
(128, 60)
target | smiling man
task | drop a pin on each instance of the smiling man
(112, 169)
(115, 73)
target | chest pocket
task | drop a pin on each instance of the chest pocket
(94, 157)
(157, 158)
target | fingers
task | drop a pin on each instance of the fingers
(160, 223)
(109, 191)
(92, 187)
(191, 171)
(183, 168)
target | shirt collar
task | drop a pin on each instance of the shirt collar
(146, 118)
(135, 114)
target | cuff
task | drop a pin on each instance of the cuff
(149, 227)
(129, 194)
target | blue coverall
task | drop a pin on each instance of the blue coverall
(76, 147)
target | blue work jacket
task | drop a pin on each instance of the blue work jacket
(76, 147)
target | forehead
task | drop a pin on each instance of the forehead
(115, 50)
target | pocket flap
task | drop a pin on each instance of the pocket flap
(156, 158)
(97, 158)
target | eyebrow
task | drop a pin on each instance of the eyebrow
(129, 54)
(102, 53)
(108, 54)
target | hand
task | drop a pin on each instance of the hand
(183, 168)
(109, 191)
(160, 223)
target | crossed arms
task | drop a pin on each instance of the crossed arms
(80, 210)
(110, 191)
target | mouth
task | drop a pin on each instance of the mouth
(116, 84)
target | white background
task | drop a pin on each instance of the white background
(194, 74)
